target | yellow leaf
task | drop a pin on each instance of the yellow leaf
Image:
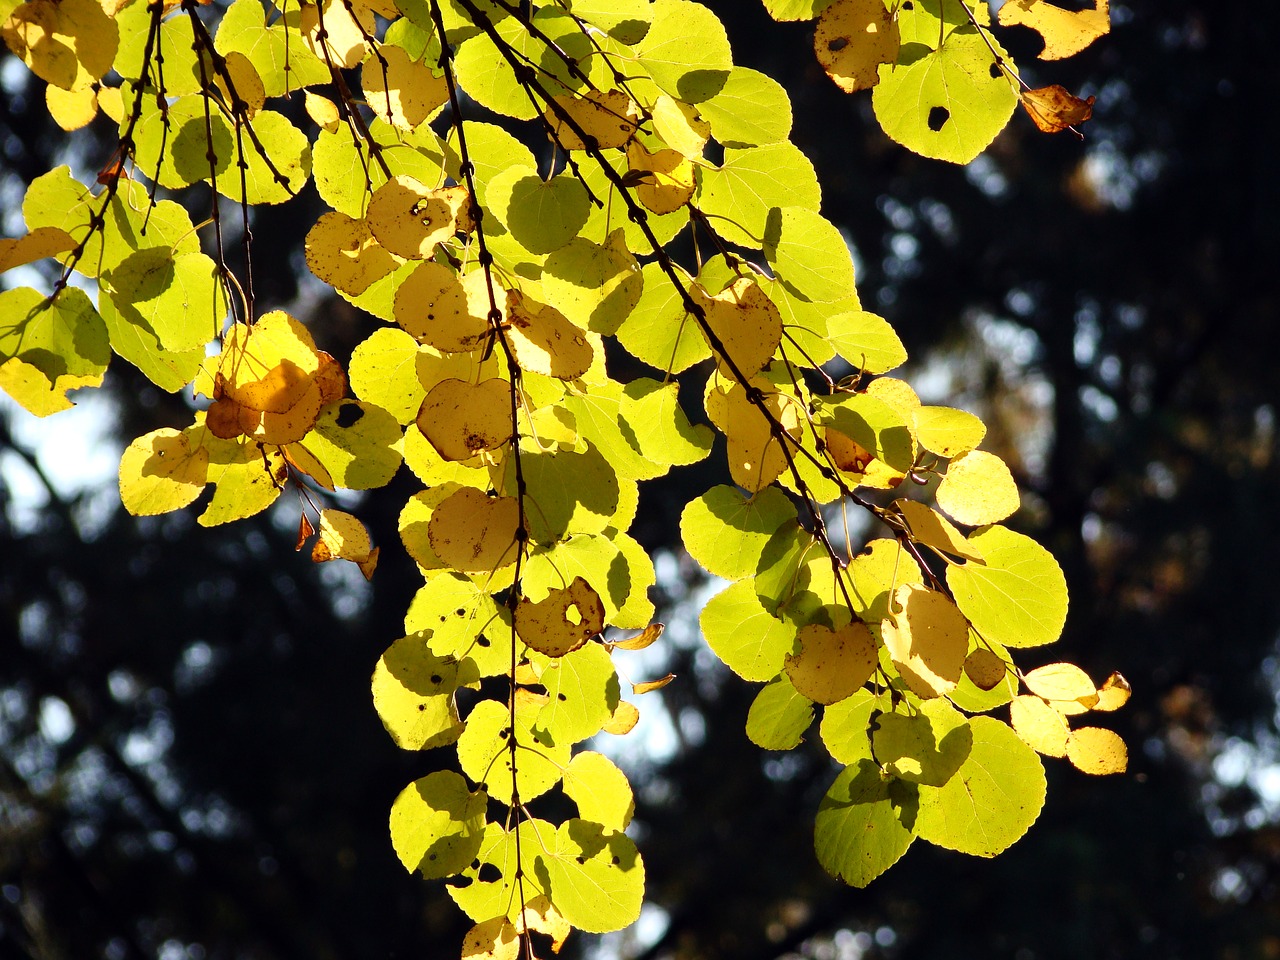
(545, 341)
(494, 939)
(853, 38)
(897, 394)
(645, 638)
(343, 537)
(1097, 751)
(541, 916)
(745, 321)
(1113, 694)
(162, 471)
(929, 528)
(978, 489)
(624, 719)
(71, 109)
(1040, 726)
(410, 220)
(927, 639)
(985, 668)
(946, 431)
(323, 111)
(36, 245)
(648, 686)
(341, 39)
(69, 43)
(1065, 685)
(344, 254)
(450, 314)
(756, 458)
(608, 117)
(402, 91)
(460, 419)
(832, 664)
(473, 532)
(680, 126)
(562, 621)
(668, 181)
(246, 84)
(1065, 32)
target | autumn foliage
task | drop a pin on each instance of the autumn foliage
(506, 184)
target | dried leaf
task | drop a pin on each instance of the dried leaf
(1054, 109)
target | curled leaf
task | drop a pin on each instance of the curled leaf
(1054, 108)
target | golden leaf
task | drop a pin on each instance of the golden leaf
(1097, 751)
(1054, 109)
(562, 621)
(832, 664)
(927, 638)
(1065, 32)
(853, 38)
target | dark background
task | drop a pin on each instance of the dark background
(218, 785)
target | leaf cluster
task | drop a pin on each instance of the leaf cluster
(496, 274)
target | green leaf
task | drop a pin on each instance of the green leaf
(875, 574)
(357, 442)
(413, 692)
(948, 103)
(177, 298)
(738, 195)
(490, 886)
(808, 253)
(726, 531)
(600, 790)
(462, 622)
(283, 61)
(993, 798)
(662, 432)
(636, 611)
(384, 372)
(874, 425)
(1018, 597)
(658, 331)
(276, 173)
(927, 746)
(437, 824)
(541, 215)
(594, 557)
(796, 9)
(248, 478)
(595, 285)
(602, 420)
(844, 727)
(613, 214)
(866, 342)
(779, 716)
(584, 692)
(627, 21)
(485, 756)
(56, 199)
(50, 347)
(181, 70)
(751, 110)
(566, 492)
(594, 877)
(741, 632)
(345, 175)
(686, 50)
(864, 824)
(492, 150)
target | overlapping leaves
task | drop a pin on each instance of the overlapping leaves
(498, 275)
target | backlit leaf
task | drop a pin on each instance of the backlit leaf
(1065, 32)
(751, 642)
(437, 824)
(852, 39)
(779, 716)
(978, 489)
(600, 790)
(926, 747)
(928, 638)
(562, 621)
(864, 824)
(832, 664)
(161, 471)
(993, 798)
(1018, 597)
(1097, 751)
(413, 692)
(1040, 726)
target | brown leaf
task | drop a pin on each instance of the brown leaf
(305, 530)
(1054, 109)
